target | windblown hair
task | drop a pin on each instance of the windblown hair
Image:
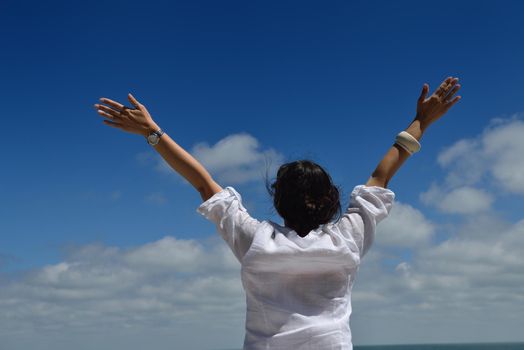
(304, 196)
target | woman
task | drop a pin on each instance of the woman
(297, 277)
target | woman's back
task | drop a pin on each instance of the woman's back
(298, 289)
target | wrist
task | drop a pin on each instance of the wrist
(423, 121)
(152, 127)
(417, 128)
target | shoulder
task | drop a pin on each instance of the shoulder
(364, 189)
(227, 194)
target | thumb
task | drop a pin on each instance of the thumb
(424, 93)
(133, 100)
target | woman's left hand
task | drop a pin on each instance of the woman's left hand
(134, 120)
(432, 108)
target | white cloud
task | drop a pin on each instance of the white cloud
(168, 253)
(479, 167)
(405, 227)
(449, 291)
(462, 200)
(464, 162)
(173, 286)
(456, 151)
(496, 153)
(175, 289)
(503, 146)
(237, 158)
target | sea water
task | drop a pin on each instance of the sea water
(481, 346)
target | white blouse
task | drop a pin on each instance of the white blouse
(298, 289)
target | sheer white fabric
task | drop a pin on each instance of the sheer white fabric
(298, 289)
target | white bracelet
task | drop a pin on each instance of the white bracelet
(407, 142)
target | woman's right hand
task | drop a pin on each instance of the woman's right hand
(135, 121)
(430, 109)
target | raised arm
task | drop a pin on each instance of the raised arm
(139, 121)
(429, 110)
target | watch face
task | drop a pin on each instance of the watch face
(152, 139)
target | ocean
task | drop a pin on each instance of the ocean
(481, 346)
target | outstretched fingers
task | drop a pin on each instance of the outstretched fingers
(452, 92)
(450, 99)
(133, 100)
(114, 104)
(452, 102)
(444, 86)
(424, 93)
(107, 111)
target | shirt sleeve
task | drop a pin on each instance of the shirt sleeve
(368, 206)
(233, 222)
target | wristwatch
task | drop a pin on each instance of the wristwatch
(154, 137)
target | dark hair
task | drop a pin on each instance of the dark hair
(304, 196)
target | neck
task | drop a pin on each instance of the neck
(299, 233)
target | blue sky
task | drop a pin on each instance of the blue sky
(333, 81)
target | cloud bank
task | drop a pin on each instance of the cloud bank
(235, 159)
(170, 287)
(175, 290)
(421, 282)
(478, 168)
